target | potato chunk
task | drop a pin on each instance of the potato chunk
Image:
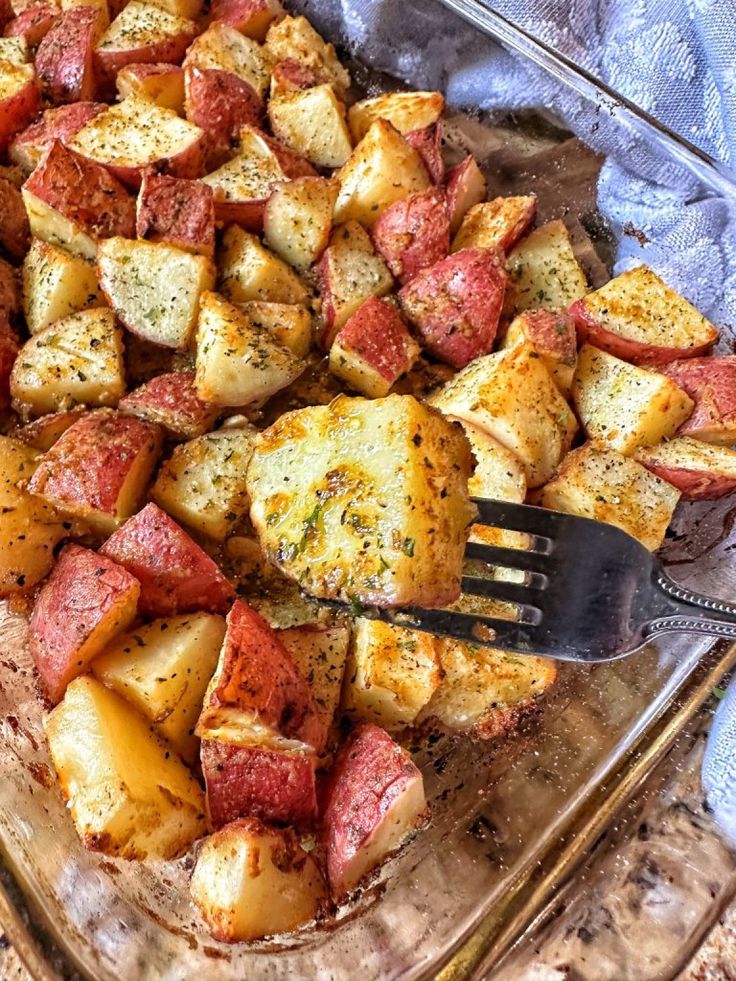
(364, 500)
(711, 384)
(603, 484)
(163, 669)
(129, 796)
(391, 674)
(298, 219)
(294, 39)
(56, 284)
(382, 169)
(238, 361)
(512, 397)
(77, 360)
(543, 271)
(497, 224)
(406, 111)
(553, 337)
(248, 271)
(252, 881)
(701, 471)
(170, 400)
(499, 474)
(312, 122)
(154, 288)
(203, 483)
(30, 528)
(624, 407)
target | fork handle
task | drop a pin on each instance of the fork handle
(714, 617)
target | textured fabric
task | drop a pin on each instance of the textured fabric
(673, 58)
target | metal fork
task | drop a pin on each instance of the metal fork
(589, 591)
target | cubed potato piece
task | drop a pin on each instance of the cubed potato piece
(243, 185)
(30, 529)
(9, 348)
(33, 22)
(291, 76)
(101, 6)
(74, 202)
(499, 474)
(349, 273)
(99, 468)
(312, 122)
(129, 796)
(238, 361)
(171, 401)
(135, 134)
(160, 82)
(190, 9)
(413, 234)
(364, 500)
(289, 324)
(163, 669)
(15, 232)
(374, 349)
(142, 33)
(19, 100)
(298, 220)
(711, 384)
(59, 123)
(406, 111)
(56, 284)
(375, 801)
(248, 781)
(65, 57)
(456, 304)
(553, 337)
(320, 653)
(486, 692)
(381, 170)
(249, 17)
(700, 471)
(175, 574)
(466, 188)
(10, 294)
(602, 484)
(74, 361)
(86, 601)
(511, 396)
(16, 50)
(155, 289)
(220, 103)
(203, 482)
(176, 212)
(638, 317)
(428, 144)
(252, 881)
(224, 48)
(248, 271)
(543, 271)
(258, 696)
(41, 434)
(496, 224)
(624, 407)
(391, 674)
(294, 39)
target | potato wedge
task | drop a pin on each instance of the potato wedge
(553, 337)
(65, 57)
(413, 234)
(602, 484)
(56, 284)
(222, 47)
(176, 212)
(312, 122)
(700, 471)
(248, 271)
(162, 669)
(624, 407)
(59, 123)
(128, 795)
(466, 188)
(249, 17)
(74, 361)
(710, 383)
(160, 82)
(298, 220)
(364, 500)
(543, 271)
(496, 224)
(171, 401)
(406, 111)
(294, 39)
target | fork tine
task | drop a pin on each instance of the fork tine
(511, 558)
(524, 595)
(512, 635)
(519, 517)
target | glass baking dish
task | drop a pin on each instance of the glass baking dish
(510, 818)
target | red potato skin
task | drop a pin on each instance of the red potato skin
(62, 123)
(456, 304)
(276, 787)
(146, 70)
(250, 17)
(378, 335)
(9, 347)
(711, 383)
(259, 676)
(292, 75)
(370, 774)
(6, 13)
(428, 144)
(33, 23)
(220, 103)
(293, 164)
(459, 198)
(90, 462)
(177, 212)
(15, 232)
(65, 57)
(170, 49)
(695, 485)
(552, 334)
(81, 590)
(41, 434)
(188, 165)
(413, 234)
(84, 192)
(17, 110)
(171, 400)
(176, 576)
(591, 332)
(248, 214)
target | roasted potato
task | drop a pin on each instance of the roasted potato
(413, 234)
(248, 271)
(15, 232)
(498, 474)
(33, 22)
(294, 39)
(406, 111)
(466, 187)
(312, 122)
(543, 271)
(711, 384)
(171, 401)
(222, 47)
(220, 103)
(289, 324)
(553, 337)
(160, 82)
(249, 17)
(19, 99)
(176, 212)
(496, 224)
(700, 471)
(298, 220)
(57, 284)
(65, 57)
(60, 123)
